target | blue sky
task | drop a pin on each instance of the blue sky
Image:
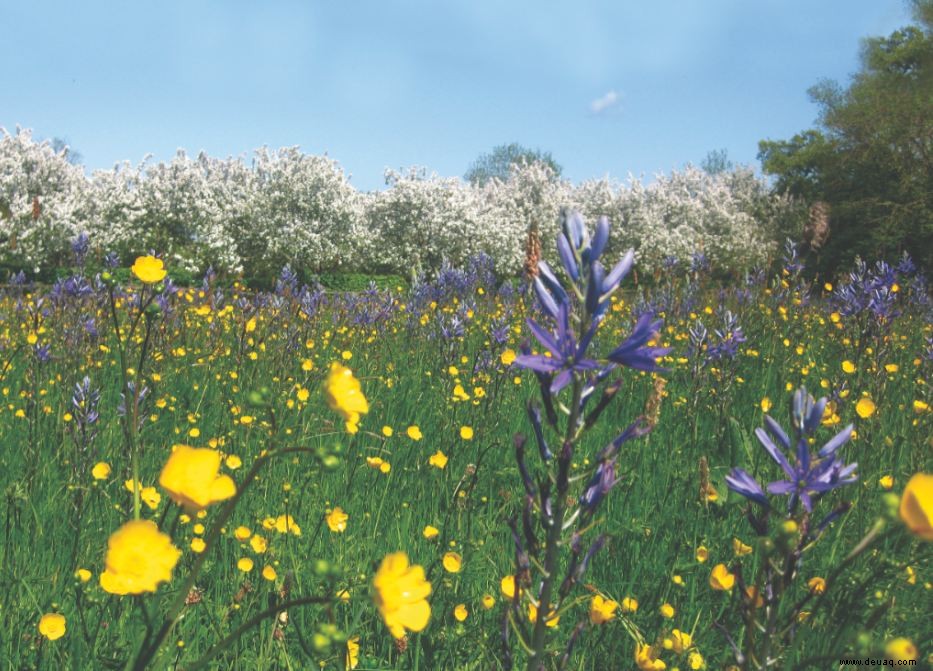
(612, 88)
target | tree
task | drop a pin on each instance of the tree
(871, 157)
(717, 161)
(497, 164)
(61, 146)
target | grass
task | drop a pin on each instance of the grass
(208, 356)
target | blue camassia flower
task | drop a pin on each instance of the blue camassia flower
(809, 476)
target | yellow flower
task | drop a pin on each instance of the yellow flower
(343, 393)
(507, 587)
(720, 579)
(379, 464)
(817, 585)
(865, 408)
(400, 594)
(646, 658)
(695, 661)
(702, 554)
(83, 574)
(901, 650)
(466, 432)
(268, 572)
(452, 562)
(438, 459)
(259, 544)
(886, 482)
(667, 610)
(191, 478)
(414, 432)
(765, 404)
(337, 520)
(460, 612)
(739, 548)
(198, 545)
(430, 532)
(52, 626)
(507, 357)
(242, 533)
(353, 653)
(680, 641)
(245, 564)
(629, 605)
(387, 431)
(149, 269)
(602, 610)
(139, 557)
(286, 524)
(916, 509)
(552, 620)
(101, 470)
(233, 462)
(488, 601)
(848, 366)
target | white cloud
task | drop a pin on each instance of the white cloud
(605, 103)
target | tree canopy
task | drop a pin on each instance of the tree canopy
(497, 164)
(870, 159)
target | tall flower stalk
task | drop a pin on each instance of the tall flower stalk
(564, 507)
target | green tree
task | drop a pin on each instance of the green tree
(497, 164)
(871, 157)
(717, 161)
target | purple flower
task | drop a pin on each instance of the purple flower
(634, 352)
(567, 355)
(809, 476)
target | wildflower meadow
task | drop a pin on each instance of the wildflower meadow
(572, 467)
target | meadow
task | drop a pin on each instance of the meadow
(105, 372)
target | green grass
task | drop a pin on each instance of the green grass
(654, 517)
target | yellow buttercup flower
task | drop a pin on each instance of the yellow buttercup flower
(400, 594)
(337, 520)
(739, 548)
(353, 653)
(602, 610)
(667, 610)
(629, 605)
(414, 433)
(343, 393)
(901, 650)
(720, 579)
(139, 557)
(268, 572)
(646, 658)
(438, 460)
(149, 269)
(916, 509)
(83, 574)
(466, 432)
(52, 626)
(191, 478)
(507, 357)
(817, 585)
(552, 620)
(460, 612)
(245, 564)
(507, 587)
(430, 532)
(452, 562)
(865, 407)
(702, 554)
(101, 471)
(680, 641)
(286, 524)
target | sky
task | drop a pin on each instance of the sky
(613, 88)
